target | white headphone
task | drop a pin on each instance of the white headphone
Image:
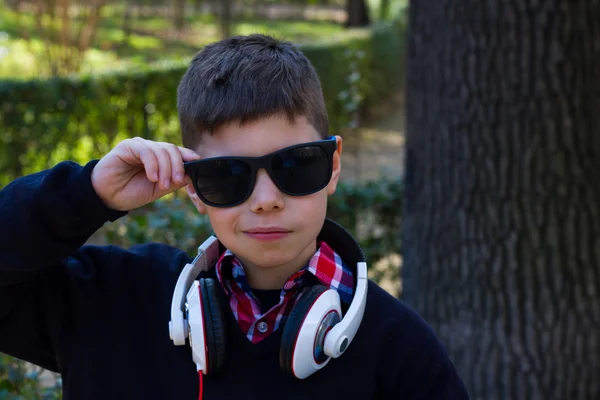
(314, 332)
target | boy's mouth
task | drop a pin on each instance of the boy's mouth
(267, 234)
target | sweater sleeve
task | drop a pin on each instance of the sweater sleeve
(45, 220)
(46, 217)
(415, 364)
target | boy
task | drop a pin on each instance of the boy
(99, 315)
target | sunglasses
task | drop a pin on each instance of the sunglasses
(297, 170)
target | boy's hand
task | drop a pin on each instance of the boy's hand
(138, 171)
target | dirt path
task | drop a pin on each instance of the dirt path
(379, 149)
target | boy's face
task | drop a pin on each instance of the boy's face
(301, 217)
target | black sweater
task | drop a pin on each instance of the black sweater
(99, 315)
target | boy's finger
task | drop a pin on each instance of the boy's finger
(148, 159)
(177, 172)
(188, 154)
(164, 166)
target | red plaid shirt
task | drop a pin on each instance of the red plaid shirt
(326, 265)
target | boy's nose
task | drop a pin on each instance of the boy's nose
(265, 196)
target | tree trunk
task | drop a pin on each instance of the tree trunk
(501, 226)
(65, 20)
(89, 29)
(179, 14)
(13, 4)
(198, 6)
(127, 21)
(358, 14)
(225, 17)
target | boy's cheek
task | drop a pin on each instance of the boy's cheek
(304, 214)
(224, 222)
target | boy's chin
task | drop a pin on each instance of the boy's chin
(267, 254)
(271, 259)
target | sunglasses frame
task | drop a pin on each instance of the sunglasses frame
(328, 145)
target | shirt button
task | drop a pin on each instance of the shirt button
(262, 326)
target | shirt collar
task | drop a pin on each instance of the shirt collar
(325, 264)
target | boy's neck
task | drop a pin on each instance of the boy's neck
(272, 278)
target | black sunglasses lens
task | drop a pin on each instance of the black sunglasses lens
(223, 182)
(302, 170)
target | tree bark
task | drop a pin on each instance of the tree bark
(358, 14)
(501, 229)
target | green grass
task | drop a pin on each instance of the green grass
(299, 32)
(23, 51)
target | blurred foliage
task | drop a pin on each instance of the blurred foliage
(21, 381)
(24, 48)
(45, 121)
(386, 10)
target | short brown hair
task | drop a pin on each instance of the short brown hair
(247, 78)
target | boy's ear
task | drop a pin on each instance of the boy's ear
(191, 192)
(337, 167)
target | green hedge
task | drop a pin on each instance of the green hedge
(43, 122)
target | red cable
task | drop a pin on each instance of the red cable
(200, 390)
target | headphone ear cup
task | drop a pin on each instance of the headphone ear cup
(293, 325)
(213, 303)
